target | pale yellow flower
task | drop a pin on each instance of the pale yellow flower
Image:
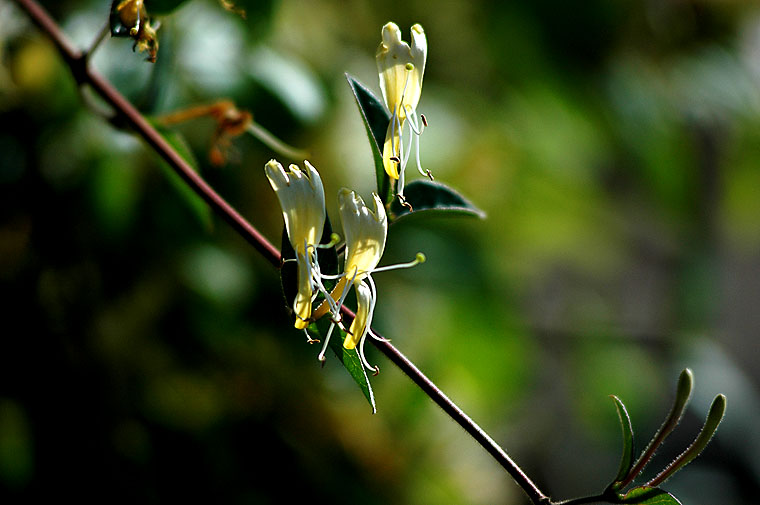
(302, 199)
(365, 232)
(400, 67)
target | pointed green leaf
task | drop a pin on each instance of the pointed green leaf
(353, 363)
(649, 496)
(626, 462)
(349, 358)
(427, 196)
(197, 205)
(714, 417)
(683, 393)
(376, 119)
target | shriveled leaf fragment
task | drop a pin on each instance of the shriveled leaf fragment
(129, 18)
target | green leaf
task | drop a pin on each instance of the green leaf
(376, 119)
(350, 360)
(197, 205)
(714, 417)
(649, 496)
(626, 462)
(683, 393)
(428, 196)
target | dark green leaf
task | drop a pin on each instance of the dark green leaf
(197, 205)
(376, 119)
(349, 358)
(649, 496)
(428, 196)
(626, 462)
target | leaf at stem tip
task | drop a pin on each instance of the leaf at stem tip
(714, 417)
(626, 461)
(649, 496)
(376, 119)
(428, 196)
(683, 393)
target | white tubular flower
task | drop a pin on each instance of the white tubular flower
(302, 199)
(401, 68)
(365, 232)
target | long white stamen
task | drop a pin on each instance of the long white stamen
(420, 258)
(362, 357)
(370, 314)
(346, 289)
(379, 339)
(414, 122)
(417, 126)
(321, 356)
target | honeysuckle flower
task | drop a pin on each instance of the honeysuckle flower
(365, 232)
(401, 67)
(302, 199)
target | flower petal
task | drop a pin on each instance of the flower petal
(401, 68)
(365, 232)
(302, 199)
(363, 316)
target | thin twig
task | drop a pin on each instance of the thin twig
(84, 75)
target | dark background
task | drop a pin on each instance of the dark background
(147, 355)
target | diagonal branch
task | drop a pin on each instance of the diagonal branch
(77, 62)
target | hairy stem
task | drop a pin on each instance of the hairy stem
(76, 60)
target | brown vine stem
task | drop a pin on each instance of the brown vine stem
(77, 62)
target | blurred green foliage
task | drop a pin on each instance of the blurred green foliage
(148, 355)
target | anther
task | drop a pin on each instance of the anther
(377, 371)
(424, 120)
(430, 175)
(395, 159)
